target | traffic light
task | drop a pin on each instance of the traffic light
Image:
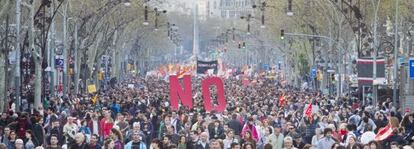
(239, 45)
(244, 44)
(333, 77)
(282, 34)
(289, 5)
(146, 15)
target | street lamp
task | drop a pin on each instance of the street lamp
(262, 9)
(249, 16)
(127, 3)
(157, 14)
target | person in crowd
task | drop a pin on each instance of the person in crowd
(352, 142)
(106, 124)
(315, 139)
(29, 140)
(109, 144)
(117, 137)
(374, 145)
(204, 141)
(235, 146)
(19, 144)
(248, 138)
(276, 138)
(94, 142)
(80, 142)
(136, 142)
(85, 130)
(215, 144)
(70, 129)
(12, 139)
(5, 136)
(166, 141)
(327, 141)
(288, 143)
(298, 142)
(251, 119)
(368, 135)
(250, 127)
(183, 143)
(248, 146)
(230, 139)
(156, 144)
(217, 131)
(53, 142)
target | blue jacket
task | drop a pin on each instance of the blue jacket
(141, 145)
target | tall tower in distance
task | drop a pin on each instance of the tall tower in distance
(195, 30)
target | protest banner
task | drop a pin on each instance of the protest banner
(184, 93)
(204, 66)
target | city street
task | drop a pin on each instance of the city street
(206, 74)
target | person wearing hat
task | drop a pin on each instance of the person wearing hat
(276, 138)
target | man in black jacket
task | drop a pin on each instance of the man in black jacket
(235, 125)
(216, 131)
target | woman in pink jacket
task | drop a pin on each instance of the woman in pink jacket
(249, 126)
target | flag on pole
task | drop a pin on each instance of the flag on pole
(384, 133)
(95, 99)
(308, 111)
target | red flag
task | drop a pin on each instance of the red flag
(308, 111)
(384, 133)
(282, 100)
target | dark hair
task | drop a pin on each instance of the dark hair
(351, 127)
(168, 137)
(326, 130)
(30, 132)
(339, 146)
(107, 142)
(95, 135)
(268, 146)
(234, 144)
(307, 146)
(234, 116)
(394, 143)
(158, 142)
(270, 129)
(365, 119)
(118, 134)
(376, 144)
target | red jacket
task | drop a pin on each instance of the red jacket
(105, 128)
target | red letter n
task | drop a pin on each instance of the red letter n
(177, 92)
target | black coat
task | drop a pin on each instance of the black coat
(214, 134)
(199, 146)
(236, 126)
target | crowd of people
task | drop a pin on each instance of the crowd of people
(140, 117)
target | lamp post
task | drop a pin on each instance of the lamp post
(157, 14)
(262, 10)
(248, 19)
